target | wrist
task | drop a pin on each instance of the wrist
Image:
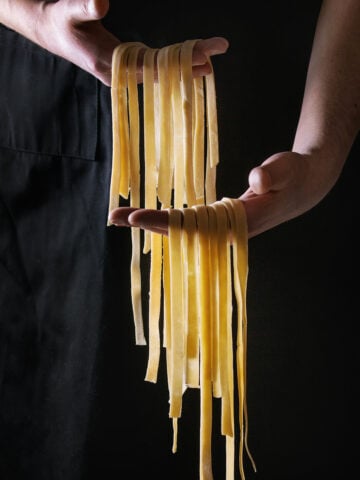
(326, 136)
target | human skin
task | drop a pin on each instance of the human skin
(287, 184)
(72, 29)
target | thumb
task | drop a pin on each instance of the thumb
(87, 10)
(275, 173)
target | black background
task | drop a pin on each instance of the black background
(302, 340)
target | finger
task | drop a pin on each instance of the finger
(153, 220)
(98, 8)
(260, 180)
(201, 70)
(208, 47)
(119, 216)
(87, 10)
(203, 50)
(275, 173)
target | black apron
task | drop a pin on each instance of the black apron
(73, 400)
(55, 157)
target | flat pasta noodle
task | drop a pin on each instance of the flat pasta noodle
(179, 135)
(187, 113)
(225, 317)
(177, 338)
(214, 299)
(150, 148)
(192, 307)
(154, 308)
(198, 139)
(196, 270)
(165, 173)
(134, 142)
(205, 468)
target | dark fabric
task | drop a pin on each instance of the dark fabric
(54, 173)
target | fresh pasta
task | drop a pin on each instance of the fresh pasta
(197, 270)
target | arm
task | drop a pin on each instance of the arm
(289, 183)
(73, 30)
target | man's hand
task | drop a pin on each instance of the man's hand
(72, 29)
(285, 186)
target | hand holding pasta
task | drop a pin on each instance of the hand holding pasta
(73, 30)
(286, 185)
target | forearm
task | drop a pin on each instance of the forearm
(330, 115)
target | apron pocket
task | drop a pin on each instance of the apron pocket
(47, 105)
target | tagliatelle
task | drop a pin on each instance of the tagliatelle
(196, 269)
(214, 284)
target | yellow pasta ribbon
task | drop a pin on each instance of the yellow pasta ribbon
(150, 150)
(205, 468)
(165, 178)
(192, 297)
(134, 142)
(177, 338)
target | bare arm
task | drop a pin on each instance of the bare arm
(289, 183)
(330, 116)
